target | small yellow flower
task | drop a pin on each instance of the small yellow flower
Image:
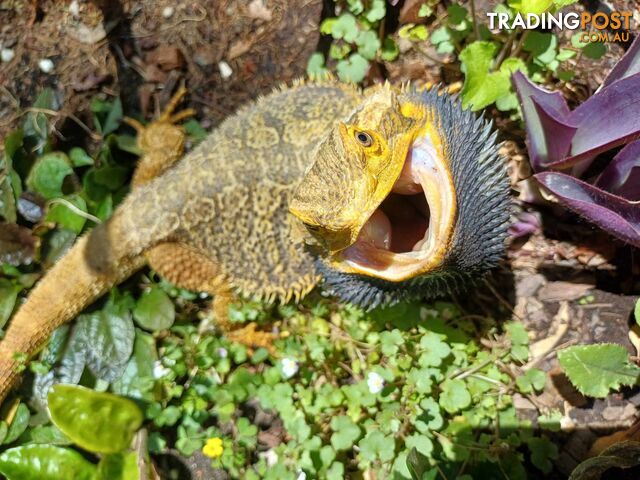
(213, 448)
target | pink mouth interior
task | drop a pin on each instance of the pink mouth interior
(401, 222)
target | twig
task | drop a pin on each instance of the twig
(75, 209)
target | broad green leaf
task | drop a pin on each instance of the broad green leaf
(108, 335)
(345, 432)
(454, 396)
(18, 424)
(45, 462)
(636, 311)
(595, 370)
(137, 381)
(155, 310)
(119, 466)
(36, 123)
(96, 421)
(48, 174)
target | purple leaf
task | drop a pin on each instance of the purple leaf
(614, 214)
(622, 175)
(607, 119)
(628, 65)
(549, 133)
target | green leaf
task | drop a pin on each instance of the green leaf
(530, 6)
(79, 158)
(354, 69)
(481, 88)
(376, 446)
(45, 462)
(533, 379)
(434, 350)
(97, 421)
(377, 11)
(62, 214)
(137, 381)
(8, 296)
(594, 50)
(155, 310)
(19, 424)
(368, 44)
(454, 396)
(345, 27)
(48, 174)
(417, 464)
(542, 452)
(421, 443)
(345, 432)
(107, 115)
(636, 311)
(456, 14)
(108, 336)
(12, 144)
(390, 50)
(597, 369)
(119, 466)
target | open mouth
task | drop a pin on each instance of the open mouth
(408, 234)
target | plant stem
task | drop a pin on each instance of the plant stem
(476, 28)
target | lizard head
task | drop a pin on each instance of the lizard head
(409, 188)
(355, 168)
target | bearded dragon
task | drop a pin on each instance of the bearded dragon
(402, 194)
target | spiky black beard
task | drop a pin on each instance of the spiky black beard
(482, 193)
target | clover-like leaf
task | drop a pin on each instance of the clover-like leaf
(455, 396)
(595, 370)
(345, 432)
(96, 421)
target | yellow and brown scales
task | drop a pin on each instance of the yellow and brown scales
(218, 220)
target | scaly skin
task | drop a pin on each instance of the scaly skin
(216, 221)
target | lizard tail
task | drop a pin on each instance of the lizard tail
(106, 256)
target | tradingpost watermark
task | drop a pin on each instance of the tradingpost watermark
(597, 27)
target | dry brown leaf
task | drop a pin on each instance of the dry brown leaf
(563, 291)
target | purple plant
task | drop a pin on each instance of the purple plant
(563, 143)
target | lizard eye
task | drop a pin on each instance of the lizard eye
(364, 139)
(313, 228)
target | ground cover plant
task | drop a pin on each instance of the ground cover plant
(142, 386)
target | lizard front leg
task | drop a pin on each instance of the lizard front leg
(161, 141)
(192, 270)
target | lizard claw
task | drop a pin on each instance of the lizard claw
(251, 338)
